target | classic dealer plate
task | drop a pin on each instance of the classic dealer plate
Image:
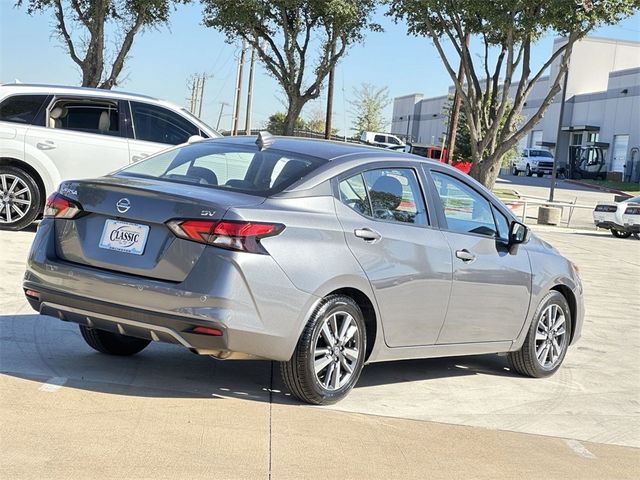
(124, 237)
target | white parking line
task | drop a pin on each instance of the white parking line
(53, 384)
(579, 448)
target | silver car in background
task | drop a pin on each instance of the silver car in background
(322, 256)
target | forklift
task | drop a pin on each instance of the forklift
(588, 162)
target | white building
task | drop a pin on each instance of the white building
(602, 106)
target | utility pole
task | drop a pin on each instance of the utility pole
(455, 110)
(192, 107)
(554, 171)
(236, 100)
(201, 94)
(247, 117)
(327, 121)
(222, 105)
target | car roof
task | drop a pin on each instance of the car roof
(62, 89)
(328, 150)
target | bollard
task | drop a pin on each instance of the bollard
(549, 215)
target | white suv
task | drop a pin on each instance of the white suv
(534, 160)
(49, 134)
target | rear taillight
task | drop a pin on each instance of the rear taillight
(632, 211)
(606, 208)
(58, 206)
(232, 235)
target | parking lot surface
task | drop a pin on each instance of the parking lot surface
(69, 412)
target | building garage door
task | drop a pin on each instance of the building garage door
(619, 156)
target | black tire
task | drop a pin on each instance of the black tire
(528, 171)
(637, 236)
(619, 234)
(525, 360)
(515, 171)
(540, 175)
(299, 374)
(33, 194)
(112, 343)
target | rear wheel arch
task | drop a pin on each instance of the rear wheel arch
(368, 312)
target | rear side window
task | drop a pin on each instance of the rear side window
(465, 210)
(380, 139)
(353, 193)
(227, 167)
(23, 109)
(89, 116)
(395, 195)
(160, 125)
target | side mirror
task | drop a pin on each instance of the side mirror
(518, 233)
(195, 139)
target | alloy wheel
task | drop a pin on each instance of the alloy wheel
(15, 198)
(336, 350)
(551, 336)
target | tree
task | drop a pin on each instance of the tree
(462, 151)
(275, 123)
(367, 106)
(93, 17)
(286, 34)
(316, 121)
(507, 30)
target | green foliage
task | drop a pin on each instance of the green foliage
(275, 123)
(316, 121)
(81, 25)
(506, 30)
(367, 108)
(298, 42)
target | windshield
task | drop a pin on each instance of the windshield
(228, 167)
(540, 153)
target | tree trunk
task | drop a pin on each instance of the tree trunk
(486, 172)
(293, 113)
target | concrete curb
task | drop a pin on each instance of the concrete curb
(597, 187)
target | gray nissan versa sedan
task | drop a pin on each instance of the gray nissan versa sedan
(320, 255)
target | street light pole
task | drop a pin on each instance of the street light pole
(554, 171)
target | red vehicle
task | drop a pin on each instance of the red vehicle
(437, 153)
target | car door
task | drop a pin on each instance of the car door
(154, 128)
(82, 136)
(491, 285)
(407, 261)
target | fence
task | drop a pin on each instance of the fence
(526, 201)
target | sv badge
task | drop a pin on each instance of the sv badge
(207, 213)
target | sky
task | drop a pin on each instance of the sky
(163, 60)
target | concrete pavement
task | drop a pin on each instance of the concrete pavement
(68, 412)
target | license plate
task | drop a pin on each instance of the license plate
(124, 237)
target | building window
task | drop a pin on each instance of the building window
(576, 139)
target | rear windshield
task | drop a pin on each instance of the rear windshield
(540, 153)
(224, 166)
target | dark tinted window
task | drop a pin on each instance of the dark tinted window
(227, 167)
(395, 195)
(86, 116)
(465, 210)
(23, 109)
(353, 193)
(380, 139)
(540, 153)
(157, 124)
(393, 140)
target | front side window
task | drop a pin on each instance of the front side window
(89, 116)
(23, 109)
(228, 167)
(502, 222)
(160, 125)
(465, 210)
(395, 195)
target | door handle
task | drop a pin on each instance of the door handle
(465, 255)
(137, 158)
(367, 234)
(46, 145)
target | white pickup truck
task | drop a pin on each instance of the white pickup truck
(533, 160)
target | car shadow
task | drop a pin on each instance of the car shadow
(38, 349)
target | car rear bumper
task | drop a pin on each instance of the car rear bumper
(246, 296)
